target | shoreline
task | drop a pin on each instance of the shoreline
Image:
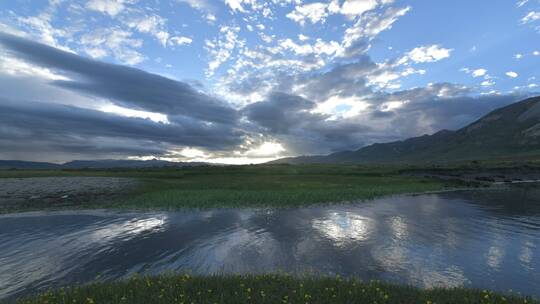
(263, 288)
(127, 210)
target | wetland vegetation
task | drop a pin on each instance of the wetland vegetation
(237, 186)
(269, 288)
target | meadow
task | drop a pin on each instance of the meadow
(246, 186)
(267, 288)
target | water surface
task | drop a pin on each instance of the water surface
(483, 239)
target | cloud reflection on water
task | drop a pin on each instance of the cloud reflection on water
(428, 241)
(129, 228)
(344, 228)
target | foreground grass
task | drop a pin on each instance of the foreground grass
(250, 186)
(262, 289)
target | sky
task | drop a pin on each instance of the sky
(249, 81)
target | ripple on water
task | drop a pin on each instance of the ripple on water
(451, 239)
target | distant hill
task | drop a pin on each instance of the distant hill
(19, 164)
(511, 131)
(115, 163)
(95, 164)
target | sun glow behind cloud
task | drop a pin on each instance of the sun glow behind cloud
(156, 117)
(265, 152)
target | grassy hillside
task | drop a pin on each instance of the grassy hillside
(509, 132)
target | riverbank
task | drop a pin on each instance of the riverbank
(269, 288)
(36, 193)
(214, 187)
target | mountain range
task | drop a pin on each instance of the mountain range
(508, 132)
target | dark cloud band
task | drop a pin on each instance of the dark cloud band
(125, 86)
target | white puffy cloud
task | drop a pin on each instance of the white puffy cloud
(110, 7)
(479, 73)
(241, 5)
(320, 47)
(115, 42)
(181, 40)
(354, 8)
(303, 37)
(424, 54)
(221, 48)
(487, 83)
(266, 38)
(384, 79)
(42, 27)
(313, 12)
(512, 74)
(202, 5)
(235, 5)
(205, 7)
(531, 17)
(154, 25)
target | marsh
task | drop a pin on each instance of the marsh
(484, 239)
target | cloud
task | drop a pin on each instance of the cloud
(357, 7)
(204, 6)
(221, 48)
(344, 80)
(487, 83)
(357, 37)
(110, 7)
(78, 131)
(424, 54)
(512, 74)
(288, 118)
(293, 66)
(318, 48)
(180, 40)
(113, 42)
(153, 24)
(306, 93)
(280, 112)
(531, 17)
(313, 12)
(235, 5)
(41, 26)
(316, 12)
(295, 122)
(479, 73)
(432, 109)
(198, 4)
(521, 3)
(124, 86)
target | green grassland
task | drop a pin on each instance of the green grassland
(247, 186)
(267, 288)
